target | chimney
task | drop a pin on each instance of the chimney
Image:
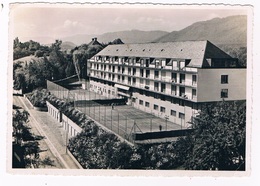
(94, 39)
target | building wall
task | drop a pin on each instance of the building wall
(103, 89)
(168, 105)
(68, 125)
(205, 88)
(209, 84)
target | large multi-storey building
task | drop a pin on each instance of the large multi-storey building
(171, 80)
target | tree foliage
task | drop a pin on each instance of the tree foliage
(218, 141)
(239, 52)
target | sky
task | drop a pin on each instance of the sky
(51, 21)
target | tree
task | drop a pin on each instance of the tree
(58, 60)
(19, 81)
(32, 151)
(20, 118)
(218, 141)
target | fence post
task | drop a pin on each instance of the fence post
(111, 118)
(118, 121)
(105, 120)
(94, 111)
(85, 102)
(151, 125)
(134, 126)
(126, 126)
(99, 112)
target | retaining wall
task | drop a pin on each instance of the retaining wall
(67, 124)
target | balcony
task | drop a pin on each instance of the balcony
(165, 79)
(173, 93)
(174, 80)
(194, 97)
(182, 82)
(156, 77)
(163, 90)
(194, 83)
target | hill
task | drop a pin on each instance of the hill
(230, 30)
(130, 36)
(22, 61)
(67, 45)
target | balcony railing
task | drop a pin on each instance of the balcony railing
(194, 97)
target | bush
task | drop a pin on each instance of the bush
(38, 97)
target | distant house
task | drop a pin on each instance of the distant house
(172, 79)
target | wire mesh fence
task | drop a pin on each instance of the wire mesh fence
(113, 113)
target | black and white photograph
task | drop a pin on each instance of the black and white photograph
(129, 87)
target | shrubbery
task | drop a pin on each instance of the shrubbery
(38, 97)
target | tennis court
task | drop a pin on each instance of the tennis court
(113, 113)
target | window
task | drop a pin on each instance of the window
(174, 101)
(134, 81)
(174, 77)
(156, 96)
(129, 71)
(147, 73)
(133, 100)
(173, 90)
(182, 78)
(155, 107)
(163, 74)
(194, 79)
(194, 93)
(162, 97)
(156, 86)
(181, 102)
(162, 109)
(142, 72)
(224, 79)
(156, 74)
(224, 93)
(173, 113)
(147, 82)
(163, 87)
(134, 71)
(181, 115)
(182, 91)
(141, 102)
(147, 104)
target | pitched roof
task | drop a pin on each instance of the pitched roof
(196, 51)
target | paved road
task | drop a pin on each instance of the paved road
(55, 137)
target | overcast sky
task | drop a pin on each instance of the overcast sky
(60, 21)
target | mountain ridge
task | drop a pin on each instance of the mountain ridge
(230, 30)
(127, 36)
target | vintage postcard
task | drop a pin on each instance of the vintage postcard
(130, 89)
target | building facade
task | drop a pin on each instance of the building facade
(171, 80)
